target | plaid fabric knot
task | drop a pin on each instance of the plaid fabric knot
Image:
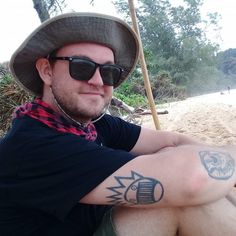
(42, 112)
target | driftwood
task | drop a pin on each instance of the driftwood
(133, 115)
(141, 111)
(122, 105)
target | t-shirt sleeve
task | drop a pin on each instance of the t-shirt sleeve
(116, 133)
(55, 171)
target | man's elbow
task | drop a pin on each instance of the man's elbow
(197, 188)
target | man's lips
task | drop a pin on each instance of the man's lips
(91, 93)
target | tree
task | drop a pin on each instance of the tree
(4, 69)
(227, 61)
(11, 94)
(175, 41)
(46, 8)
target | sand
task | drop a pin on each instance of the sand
(210, 118)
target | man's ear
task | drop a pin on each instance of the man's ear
(45, 70)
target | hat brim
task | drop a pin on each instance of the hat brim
(74, 28)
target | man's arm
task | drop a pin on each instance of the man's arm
(151, 141)
(180, 176)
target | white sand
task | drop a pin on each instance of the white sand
(210, 118)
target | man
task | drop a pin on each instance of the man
(65, 163)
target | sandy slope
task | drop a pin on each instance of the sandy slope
(211, 117)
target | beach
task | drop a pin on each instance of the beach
(210, 118)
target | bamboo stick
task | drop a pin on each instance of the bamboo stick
(144, 68)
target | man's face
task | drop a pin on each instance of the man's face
(82, 100)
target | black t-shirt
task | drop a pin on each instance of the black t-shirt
(44, 173)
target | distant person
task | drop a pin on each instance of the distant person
(228, 89)
(68, 168)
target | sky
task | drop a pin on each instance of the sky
(18, 19)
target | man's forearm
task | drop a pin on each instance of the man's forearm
(213, 168)
(186, 175)
(151, 141)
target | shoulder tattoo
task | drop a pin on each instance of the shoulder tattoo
(135, 189)
(219, 165)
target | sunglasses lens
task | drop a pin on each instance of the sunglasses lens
(82, 69)
(110, 74)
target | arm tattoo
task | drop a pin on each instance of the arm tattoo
(136, 189)
(219, 165)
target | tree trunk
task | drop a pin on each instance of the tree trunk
(41, 8)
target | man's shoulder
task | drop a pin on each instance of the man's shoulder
(106, 118)
(27, 131)
(115, 122)
(27, 126)
(109, 120)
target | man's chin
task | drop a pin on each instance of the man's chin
(87, 116)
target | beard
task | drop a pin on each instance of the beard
(79, 109)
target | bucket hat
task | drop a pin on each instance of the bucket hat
(74, 28)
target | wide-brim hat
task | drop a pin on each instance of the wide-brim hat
(74, 28)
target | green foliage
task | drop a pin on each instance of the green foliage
(133, 92)
(133, 100)
(6, 79)
(130, 93)
(186, 19)
(174, 41)
(227, 61)
(164, 89)
(11, 95)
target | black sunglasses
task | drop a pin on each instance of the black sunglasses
(83, 69)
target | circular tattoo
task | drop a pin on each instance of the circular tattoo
(219, 165)
(136, 189)
(145, 190)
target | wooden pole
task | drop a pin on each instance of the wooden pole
(144, 68)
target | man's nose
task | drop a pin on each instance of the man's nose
(96, 79)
